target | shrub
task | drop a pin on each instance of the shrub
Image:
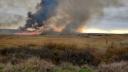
(65, 67)
(86, 69)
(31, 65)
(116, 54)
(114, 67)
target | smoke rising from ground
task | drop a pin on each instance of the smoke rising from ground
(78, 11)
(63, 15)
(67, 15)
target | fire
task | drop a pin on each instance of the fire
(81, 30)
(28, 33)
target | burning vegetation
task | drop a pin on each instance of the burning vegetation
(65, 16)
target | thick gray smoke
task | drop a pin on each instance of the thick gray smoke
(53, 15)
(66, 15)
(79, 11)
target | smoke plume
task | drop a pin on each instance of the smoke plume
(84, 16)
(65, 15)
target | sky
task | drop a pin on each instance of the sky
(114, 19)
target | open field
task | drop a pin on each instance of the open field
(80, 41)
(77, 51)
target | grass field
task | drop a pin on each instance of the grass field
(63, 53)
(80, 41)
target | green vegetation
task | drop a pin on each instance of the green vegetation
(85, 69)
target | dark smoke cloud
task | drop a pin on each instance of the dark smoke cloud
(66, 15)
(45, 9)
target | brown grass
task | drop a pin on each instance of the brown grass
(77, 50)
(80, 41)
(114, 67)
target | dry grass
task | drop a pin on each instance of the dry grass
(57, 49)
(38, 65)
(114, 67)
(80, 41)
(107, 47)
(30, 65)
